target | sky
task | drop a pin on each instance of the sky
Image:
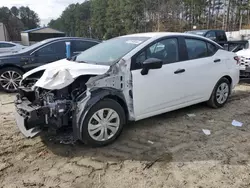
(46, 9)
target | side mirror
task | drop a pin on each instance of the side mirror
(151, 63)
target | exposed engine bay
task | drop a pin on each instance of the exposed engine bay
(41, 108)
(55, 107)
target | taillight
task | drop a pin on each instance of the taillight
(237, 59)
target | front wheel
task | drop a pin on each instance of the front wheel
(10, 78)
(220, 93)
(103, 123)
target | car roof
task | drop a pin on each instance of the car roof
(67, 38)
(163, 34)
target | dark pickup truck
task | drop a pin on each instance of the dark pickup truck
(220, 37)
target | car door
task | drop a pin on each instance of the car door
(48, 53)
(161, 89)
(79, 46)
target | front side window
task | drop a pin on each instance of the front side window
(166, 50)
(110, 51)
(196, 48)
(54, 48)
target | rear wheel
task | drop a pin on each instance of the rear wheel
(220, 93)
(103, 123)
(10, 78)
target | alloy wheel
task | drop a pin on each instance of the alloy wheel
(10, 80)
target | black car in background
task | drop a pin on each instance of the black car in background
(14, 65)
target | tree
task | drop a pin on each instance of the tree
(17, 20)
(14, 10)
(98, 18)
(29, 18)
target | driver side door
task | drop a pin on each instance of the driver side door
(161, 89)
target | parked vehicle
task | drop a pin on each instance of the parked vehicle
(220, 37)
(13, 65)
(244, 56)
(127, 78)
(9, 47)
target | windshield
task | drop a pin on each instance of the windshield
(110, 51)
(33, 46)
(201, 33)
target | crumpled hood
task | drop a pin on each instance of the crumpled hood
(60, 74)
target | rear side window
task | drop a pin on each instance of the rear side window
(221, 36)
(196, 48)
(80, 46)
(54, 48)
(6, 45)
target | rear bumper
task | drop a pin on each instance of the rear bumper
(29, 119)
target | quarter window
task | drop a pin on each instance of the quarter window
(166, 50)
(211, 49)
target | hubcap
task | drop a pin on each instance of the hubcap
(10, 80)
(222, 93)
(103, 124)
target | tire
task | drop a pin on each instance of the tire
(110, 108)
(5, 76)
(214, 100)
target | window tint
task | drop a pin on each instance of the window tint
(6, 45)
(211, 35)
(79, 46)
(221, 36)
(166, 50)
(211, 49)
(54, 48)
(196, 48)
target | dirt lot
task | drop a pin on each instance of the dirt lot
(169, 150)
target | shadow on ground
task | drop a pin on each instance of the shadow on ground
(175, 137)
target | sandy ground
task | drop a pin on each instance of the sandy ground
(169, 150)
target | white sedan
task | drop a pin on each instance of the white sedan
(127, 78)
(9, 47)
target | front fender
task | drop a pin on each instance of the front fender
(82, 108)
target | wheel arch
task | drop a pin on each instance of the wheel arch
(96, 96)
(7, 65)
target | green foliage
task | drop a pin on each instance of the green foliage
(17, 20)
(105, 19)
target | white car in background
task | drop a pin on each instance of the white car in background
(127, 78)
(9, 47)
(244, 56)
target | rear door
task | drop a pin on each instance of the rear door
(203, 68)
(79, 46)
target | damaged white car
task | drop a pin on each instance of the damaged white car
(127, 78)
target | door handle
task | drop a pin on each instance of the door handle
(217, 60)
(179, 71)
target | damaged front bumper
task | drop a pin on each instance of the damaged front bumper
(29, 118)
